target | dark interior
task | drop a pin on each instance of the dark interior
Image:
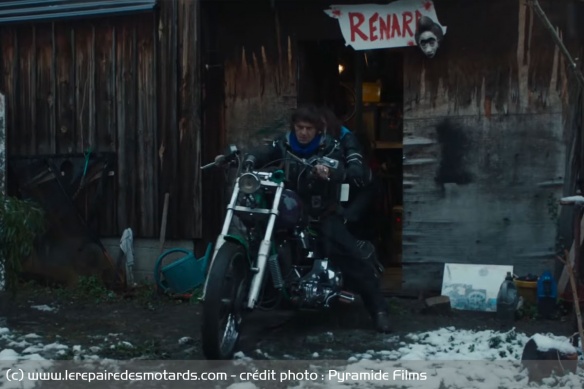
(365, 90)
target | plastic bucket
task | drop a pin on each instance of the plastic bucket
(527, 290)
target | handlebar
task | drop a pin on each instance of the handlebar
(230, 155)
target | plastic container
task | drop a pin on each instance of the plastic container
(182, 275)
(547, 295)
(507, 300)
(371, 92)
(527, 288)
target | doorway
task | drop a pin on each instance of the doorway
(365, 90)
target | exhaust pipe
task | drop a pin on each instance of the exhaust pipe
(346, 297)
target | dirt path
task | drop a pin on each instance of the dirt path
(165, 328)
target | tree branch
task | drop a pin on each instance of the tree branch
(575, 297)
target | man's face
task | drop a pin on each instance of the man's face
(429, 43)
(305, 132)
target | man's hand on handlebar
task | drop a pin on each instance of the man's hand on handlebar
(322, 172)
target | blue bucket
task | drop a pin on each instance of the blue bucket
(184, 274)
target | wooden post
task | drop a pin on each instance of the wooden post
(574, 286)
(571, 258)
(163, 223)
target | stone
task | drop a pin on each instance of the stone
(437, 304)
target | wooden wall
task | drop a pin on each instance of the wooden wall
(2, 145)
(128, 85)
(260, 62)
(484, 138)
(259, 69)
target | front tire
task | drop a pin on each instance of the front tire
(224, 302)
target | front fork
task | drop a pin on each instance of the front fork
(263, 252)
(224, 232)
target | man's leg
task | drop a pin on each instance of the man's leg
(339, 239)
(362, 280)
(338, 236)
(360, 275)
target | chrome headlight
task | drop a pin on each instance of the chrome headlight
(249, 183)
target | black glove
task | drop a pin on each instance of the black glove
(354, 174)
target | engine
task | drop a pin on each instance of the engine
(317, 288)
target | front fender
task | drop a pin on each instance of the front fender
(240, 240)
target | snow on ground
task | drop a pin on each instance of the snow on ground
(44, 308)
(449, 357)
(461, 359)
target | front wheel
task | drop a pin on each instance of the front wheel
(224, 301)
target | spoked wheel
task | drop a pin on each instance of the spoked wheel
(224, 302)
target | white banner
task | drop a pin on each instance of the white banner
(397, 24)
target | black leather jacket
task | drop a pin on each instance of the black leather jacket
(319, 196)
(352, 150)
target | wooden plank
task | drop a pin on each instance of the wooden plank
(565, 277)
(195, 60)
(125, 102)
(147, 185)
(189, 154)
(32, 94)
(65, 88)
(25, 92)
(168, 134)
(113, 199)
(53, 98)
(83, 77)
(9, 63)
(105, 120)
(43, 99)
(104, 88)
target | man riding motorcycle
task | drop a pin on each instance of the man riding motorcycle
(306, 139)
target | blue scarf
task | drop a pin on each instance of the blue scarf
(304, 150)
(344, 131)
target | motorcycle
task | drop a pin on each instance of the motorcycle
(274, 260)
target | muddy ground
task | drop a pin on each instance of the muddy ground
(161, 327)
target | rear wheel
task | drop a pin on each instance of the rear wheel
(223, 306)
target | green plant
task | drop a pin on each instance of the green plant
(88, 288)
(92, 288)
(21, 221)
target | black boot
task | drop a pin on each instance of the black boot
(378, 309)
(382, 323)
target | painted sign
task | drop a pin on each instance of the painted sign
(473, 287)
(398, 24)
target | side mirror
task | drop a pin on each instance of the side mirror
(231, 150)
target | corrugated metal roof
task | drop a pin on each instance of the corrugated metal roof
(22, 11)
